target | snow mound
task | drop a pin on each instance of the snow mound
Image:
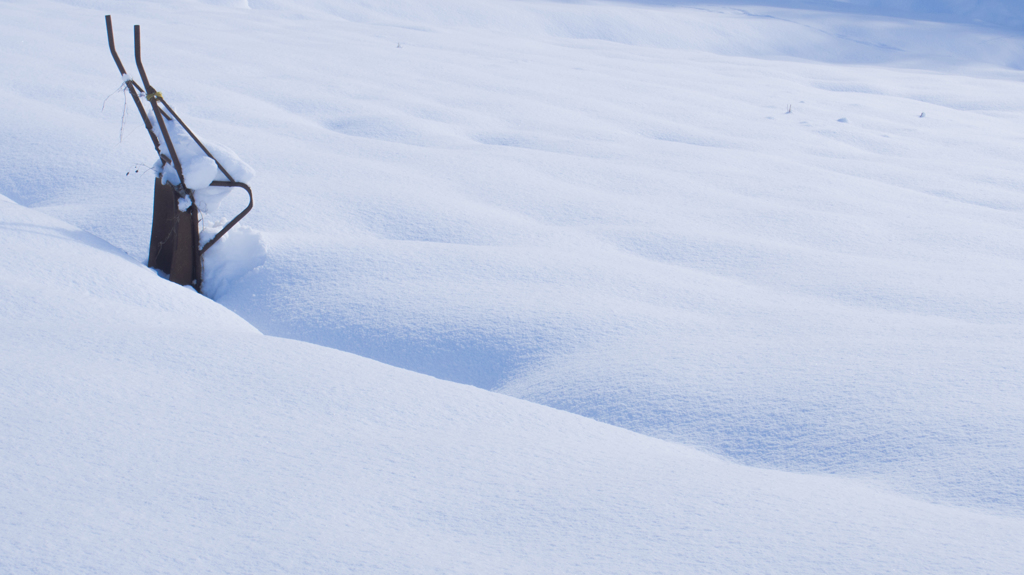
(235, 254)
(199, 169)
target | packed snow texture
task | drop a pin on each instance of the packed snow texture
(601, 207)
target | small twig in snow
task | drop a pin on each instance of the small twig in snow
(124, 109)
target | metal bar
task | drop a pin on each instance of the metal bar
(183, 268)
(152, 97)
(197, 254)
(130, 85)
(138, 59)
(237, 218)
(113, 51)
(164, 237)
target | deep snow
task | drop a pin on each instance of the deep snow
(601, 207)
(144, 428)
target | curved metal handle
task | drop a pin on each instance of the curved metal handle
(130, 84)
(236, 219)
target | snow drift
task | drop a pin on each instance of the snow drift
(602, 207)
(145, 428)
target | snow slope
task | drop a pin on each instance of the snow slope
(601, 207)
(143, 428)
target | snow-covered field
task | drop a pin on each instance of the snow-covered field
(777, 247)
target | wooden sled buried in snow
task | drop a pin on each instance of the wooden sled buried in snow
(174, 244)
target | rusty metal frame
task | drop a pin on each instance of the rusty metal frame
(163, 113)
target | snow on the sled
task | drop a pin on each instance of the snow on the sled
(197, 167)
(144, 428)
(603, 207)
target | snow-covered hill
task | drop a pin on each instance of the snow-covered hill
(788, 237)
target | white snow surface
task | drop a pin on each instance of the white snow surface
(601, 207)
(995, 13)
(239, 251)
(145, 428)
